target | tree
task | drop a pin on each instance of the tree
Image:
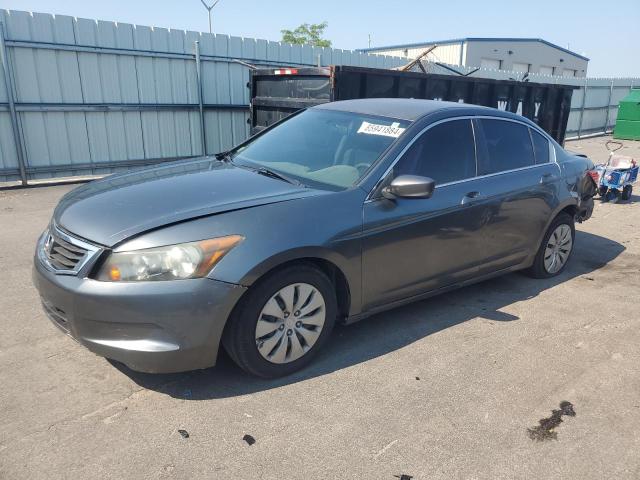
(310, 34)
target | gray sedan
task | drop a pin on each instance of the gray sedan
(338, 212)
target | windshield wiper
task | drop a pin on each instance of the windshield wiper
(226, 157)
(270, 173)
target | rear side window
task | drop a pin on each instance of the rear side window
(540, 147)
(445, 153)
(507, 146)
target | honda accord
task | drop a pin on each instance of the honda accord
(335, 213)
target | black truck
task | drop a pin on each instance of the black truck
(278, 92)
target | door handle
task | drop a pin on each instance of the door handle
(471, 197)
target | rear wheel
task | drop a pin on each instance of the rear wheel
(627, 192)
(556, 248)
(282, 322)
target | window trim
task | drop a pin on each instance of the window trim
(552, 159)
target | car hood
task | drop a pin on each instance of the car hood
(118, 207)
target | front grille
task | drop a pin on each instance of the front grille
(61, 254)
(64, 254)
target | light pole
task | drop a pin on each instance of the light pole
(209, 8)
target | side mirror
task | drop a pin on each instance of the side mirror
(409, 186)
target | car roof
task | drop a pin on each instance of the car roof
(409, 109)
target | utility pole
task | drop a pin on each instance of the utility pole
(369, 40)
(209, 8)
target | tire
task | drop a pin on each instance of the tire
(249, 344)
(602, 191)
(627, 192)
(539, 269)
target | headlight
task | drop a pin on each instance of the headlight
(173, 262)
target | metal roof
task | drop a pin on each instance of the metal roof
(474, 39)
(402, 108)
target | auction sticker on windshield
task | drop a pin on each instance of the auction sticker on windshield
(394, 130)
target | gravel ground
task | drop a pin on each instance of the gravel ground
(595, 148)
(451, 387)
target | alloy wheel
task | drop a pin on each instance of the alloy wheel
(290, 323)
(558, 249)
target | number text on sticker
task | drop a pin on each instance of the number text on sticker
(394, 130)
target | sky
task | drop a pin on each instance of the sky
(605, 32)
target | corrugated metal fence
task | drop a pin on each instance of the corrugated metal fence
(82, 97)
(594, 106)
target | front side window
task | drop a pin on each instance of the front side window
(540, 147)
(507, 146)
(322, 148)
(445, 153)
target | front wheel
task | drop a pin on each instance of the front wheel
(555, 250)
(627, 191)
(282, 322)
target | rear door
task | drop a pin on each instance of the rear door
(520, 180)
(412, 246)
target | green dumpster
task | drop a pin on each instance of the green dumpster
(628, 122)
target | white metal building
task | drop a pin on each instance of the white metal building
(532, 55)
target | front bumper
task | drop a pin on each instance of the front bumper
(155, 327)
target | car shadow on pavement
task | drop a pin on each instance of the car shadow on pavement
(394, 329)
(632, 199)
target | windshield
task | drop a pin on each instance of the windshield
(322, 147)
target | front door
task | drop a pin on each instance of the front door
(412, 246)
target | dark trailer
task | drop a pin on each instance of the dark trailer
(278, 92)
